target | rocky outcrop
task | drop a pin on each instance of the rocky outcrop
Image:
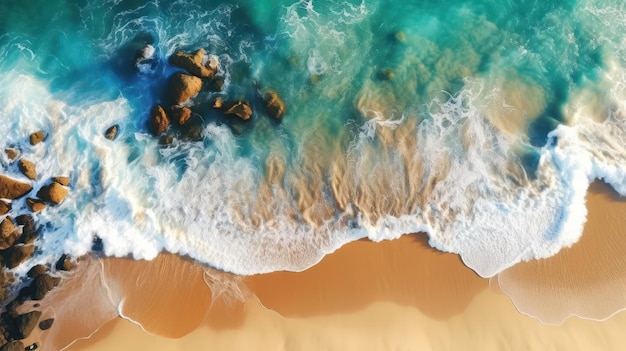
(11, 153)
(65, 181)
(65, 263)
(274, 104)
(37, 137)
(35, 205)
(240, 109)
(111, 132)
(42, 285)
(28, 169)
(158, 120)
(5, 207)
(53, 193)
(8, 233)
(183, 87)
(14, 345)
(194, 63)
(17, 254)
(13, 189)
(179, 115)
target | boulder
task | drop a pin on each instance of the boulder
(37, 270)
(14, 345)
(17, 254)
(65, 263)
(111, 132)
(28, 169)
(25, 323)
(53, 193)
(8, 234)
(42, 285)
(194, 63)
(5, 207)
(46, 324)
(35, 205)
(29, 230)
(219, 102)
(158, 120)
(180, 115)
(13, 189)
(11, 153)
(37, 137)
(65, 181)
(166, 139)
(275, 105)
(182, 87)
(240, 109)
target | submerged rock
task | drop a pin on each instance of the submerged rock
(25, 323)
(216, 84)
(37, 137)
(158, 120)
(11, 153)
(5, 207)
(275, 105)
(28, 169)
(240, 109)
(111, 132)
(180, 115)
(13, 189)
(194, 63)
(183, 87)
(17, 254)
(42, 285)
(145, 62)
(54, 193)
(35, 205)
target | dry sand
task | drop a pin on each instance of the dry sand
(396, 295)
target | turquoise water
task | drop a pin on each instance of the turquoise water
(481, 123)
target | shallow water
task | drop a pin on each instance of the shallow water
(481, 123)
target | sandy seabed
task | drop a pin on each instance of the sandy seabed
(393, 295)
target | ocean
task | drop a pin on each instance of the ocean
(481, 123)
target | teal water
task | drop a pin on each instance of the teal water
(481, 123)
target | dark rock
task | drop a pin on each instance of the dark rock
(180, 115)
(35, 205)
(275, 105)
(158, 120)
(182, 87)
(25, 323)
(65, 181)
(166, 139)
(8, 234)
(17, 254)
(192, 63)
(37, 137)
(42, 285)
(29, 230)
(11, 154)
(65, 263)
(5, 207)
(111, 132)
(216, 84)
(14, 345)
(13, 189)
(37, 270)
(53, 193)
(46, 324)
(240, 109)
(28, 169)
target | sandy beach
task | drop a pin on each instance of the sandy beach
(394, 295)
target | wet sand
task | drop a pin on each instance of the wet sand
(376, 296)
